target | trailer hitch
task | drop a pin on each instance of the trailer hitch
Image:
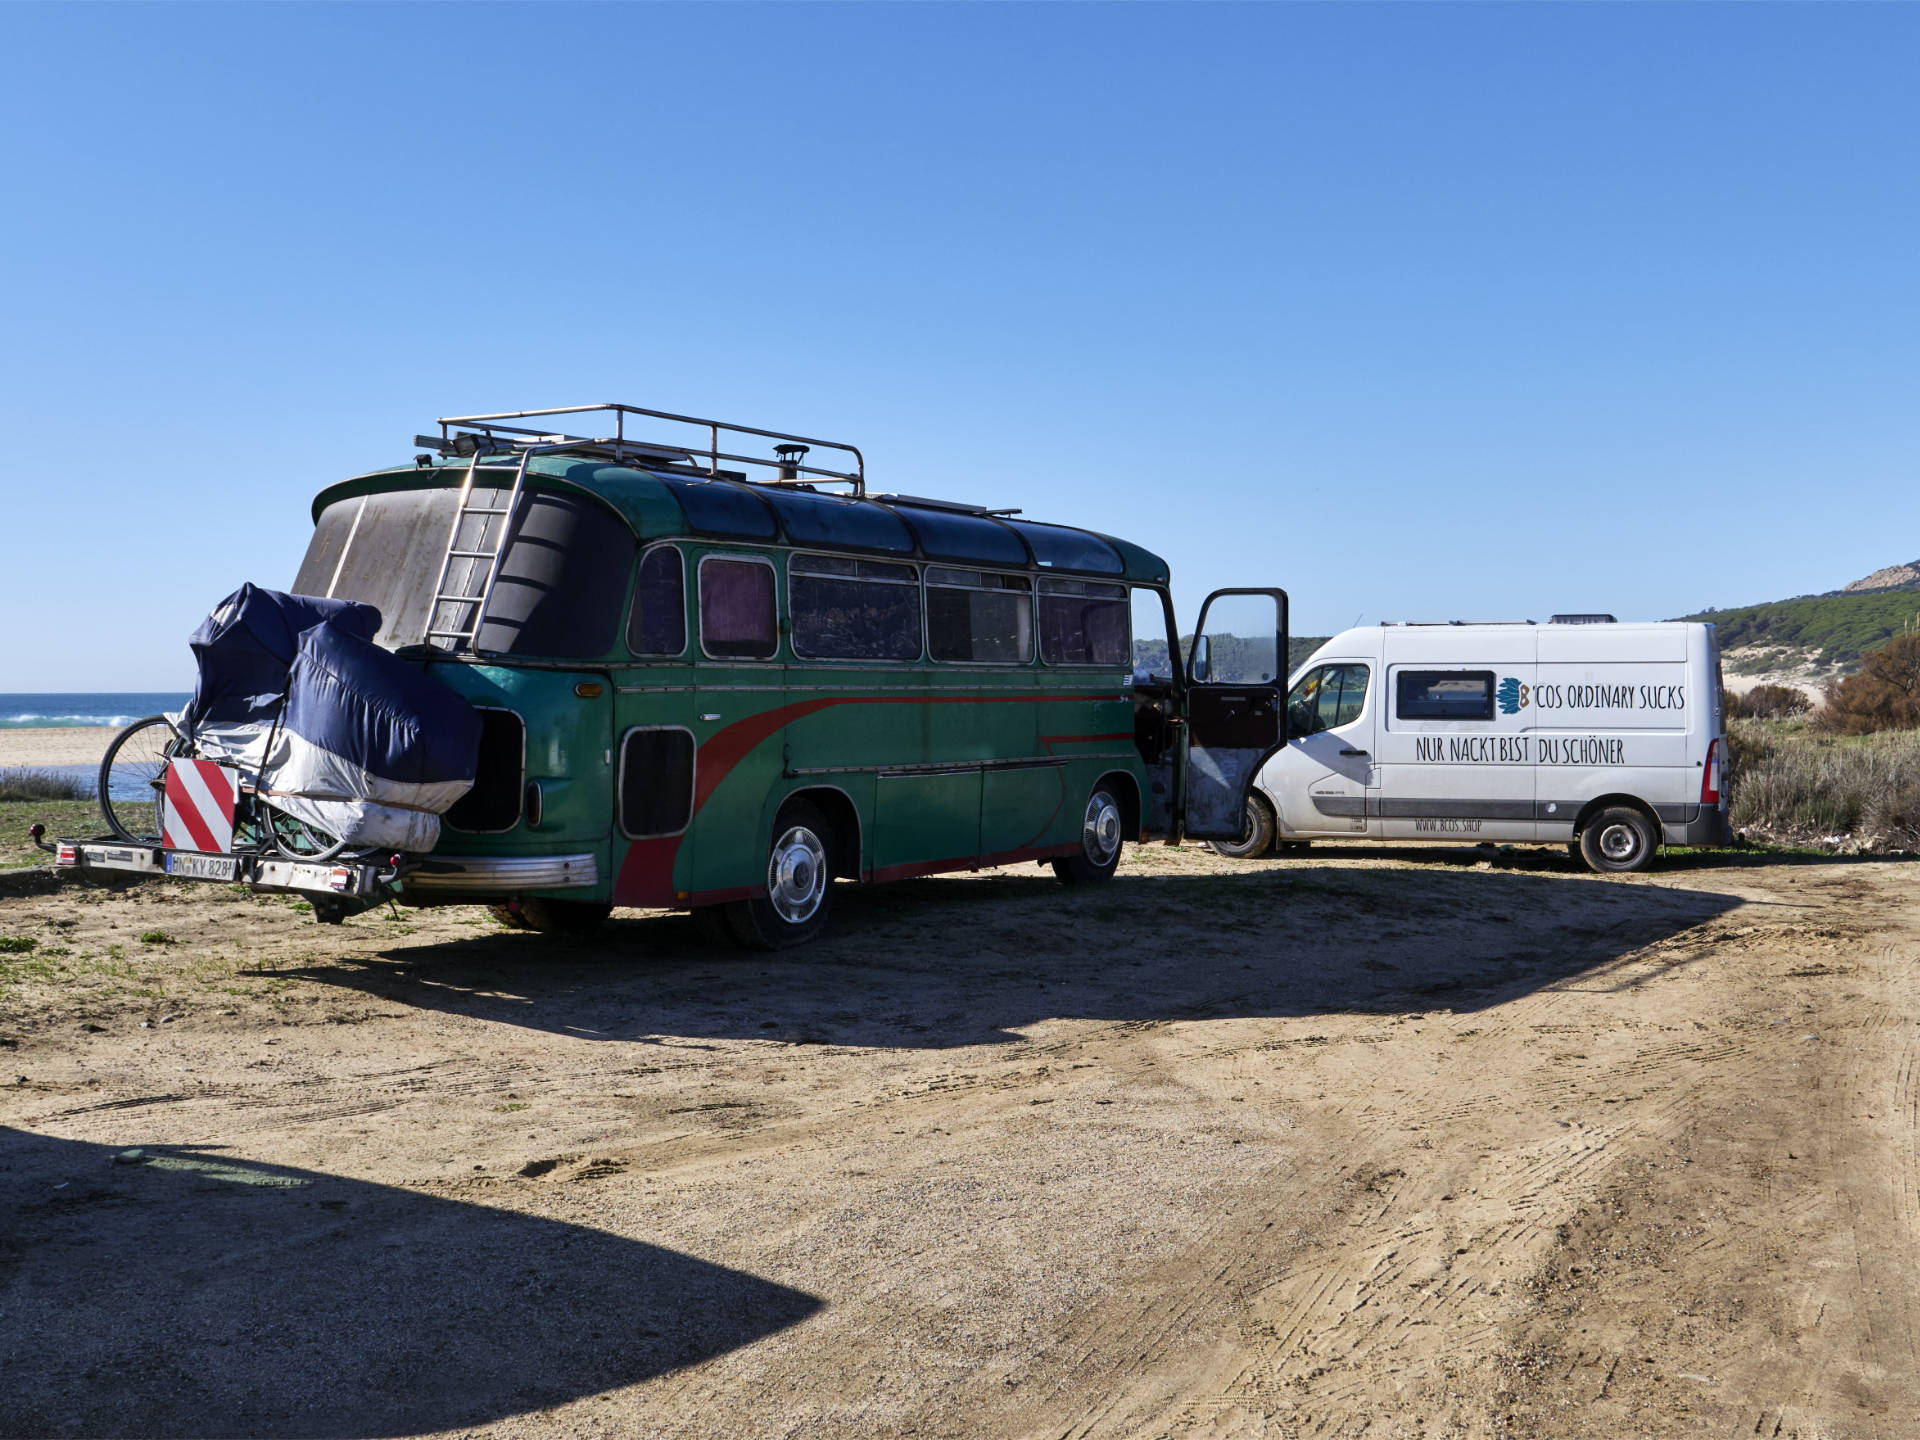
(38, 833)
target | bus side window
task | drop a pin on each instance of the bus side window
(739, 619)
(659, 622)
(977, 617)
(1083, 622)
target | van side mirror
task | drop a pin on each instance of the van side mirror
(1201, 662)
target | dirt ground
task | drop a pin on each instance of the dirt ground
(1380, 1141)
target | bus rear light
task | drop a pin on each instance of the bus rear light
(1710, 774)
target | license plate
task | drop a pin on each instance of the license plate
(201, 867)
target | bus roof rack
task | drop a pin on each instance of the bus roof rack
(471, 435)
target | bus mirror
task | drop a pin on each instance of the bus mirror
(1200, 657)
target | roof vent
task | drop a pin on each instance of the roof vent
(1582, 620)
(790, 458)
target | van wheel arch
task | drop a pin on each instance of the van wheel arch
(1608, 802)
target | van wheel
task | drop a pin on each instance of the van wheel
(1617, 840)
(1100, 832)
(1257, 839)
(799, 884)
(563, 917)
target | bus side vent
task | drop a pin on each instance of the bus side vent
(1582, 620)
(493, 804)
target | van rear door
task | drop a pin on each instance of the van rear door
(1235, 678)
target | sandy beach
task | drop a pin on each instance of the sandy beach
(65, 745)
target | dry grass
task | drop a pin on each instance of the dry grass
(1792, 781)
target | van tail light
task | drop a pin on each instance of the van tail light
(1710, 775)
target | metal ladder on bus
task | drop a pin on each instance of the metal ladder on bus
(469, 631)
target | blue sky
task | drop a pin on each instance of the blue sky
(1421, 312)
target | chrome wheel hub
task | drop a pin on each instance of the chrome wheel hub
(1618, 842)
(1100, 833)
(797, 875)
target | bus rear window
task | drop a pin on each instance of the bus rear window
(739, 619)
(1083, 622)
(847, 609)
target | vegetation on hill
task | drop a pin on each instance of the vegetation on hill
(1232, 654)
(1830, 629)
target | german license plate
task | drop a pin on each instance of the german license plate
(200, 867)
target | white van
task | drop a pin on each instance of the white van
(1605, 737)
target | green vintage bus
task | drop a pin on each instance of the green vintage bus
(719, 681)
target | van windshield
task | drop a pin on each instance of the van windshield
(562, 582)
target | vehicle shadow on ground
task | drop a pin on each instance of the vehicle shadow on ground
(196, 1293)
(967, 961)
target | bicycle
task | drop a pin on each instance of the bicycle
(143, 752)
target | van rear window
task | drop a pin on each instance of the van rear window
(1443, 695)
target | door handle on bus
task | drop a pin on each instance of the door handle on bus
(1353, 752)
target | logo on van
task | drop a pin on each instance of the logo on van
(1512, 695)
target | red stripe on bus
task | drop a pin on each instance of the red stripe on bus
(646, 874)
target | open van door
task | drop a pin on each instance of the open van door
(1236, 678)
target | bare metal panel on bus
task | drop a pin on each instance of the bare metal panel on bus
(397, 541)
(561, 589)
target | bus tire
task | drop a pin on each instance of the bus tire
(799, 884)
(1101, 830)
(1618, 840)
(563, 917)
(1257, 839)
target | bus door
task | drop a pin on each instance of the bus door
(1236, 676)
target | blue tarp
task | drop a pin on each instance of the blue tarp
(380, 715)
(245, 649)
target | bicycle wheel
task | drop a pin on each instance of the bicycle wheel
(298, 840)
(133, 780)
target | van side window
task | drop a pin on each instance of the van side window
(1443, 695)
(739, 619)
(847, 609)
(1083, 622)
(1327, 697)
(974, 616)
(659, 622)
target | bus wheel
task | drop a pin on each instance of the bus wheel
(1617, 840)
(1100, 833)
(563, 917)
(799, 884)
(1256, 839)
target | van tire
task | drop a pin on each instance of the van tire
(799, 883)
(1618, 840)
(563, 917)
(1257, 839)
(1102, 828)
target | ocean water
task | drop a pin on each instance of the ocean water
(114, 708)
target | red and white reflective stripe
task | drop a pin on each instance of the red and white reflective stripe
(199, 809)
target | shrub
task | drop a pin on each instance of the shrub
(29, 783)
(1767, 702)
(17, 944)
(1883, 694)
(156, 937)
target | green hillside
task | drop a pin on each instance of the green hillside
(1152, 654)
(1827, 629)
